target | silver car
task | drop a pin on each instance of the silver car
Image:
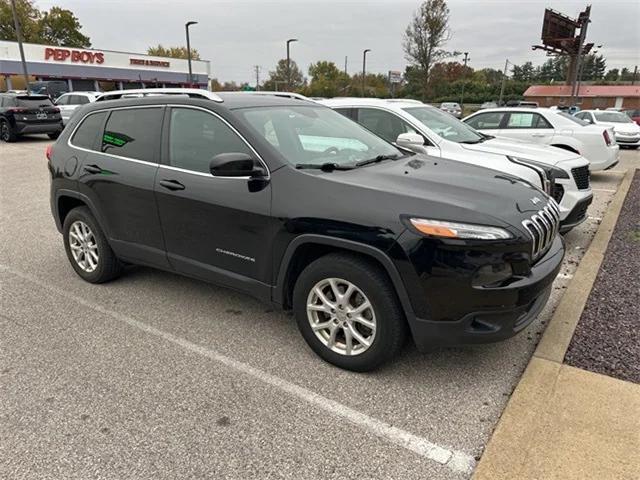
(452, 108)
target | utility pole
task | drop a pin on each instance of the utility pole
(504, 77)
(345, 65)
(584, 23)
(464, 74)
(257, 68)
(635, 72)
(186, 28)
(364, 69)
(16, 24)
(291, 40)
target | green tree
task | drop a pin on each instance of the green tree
(172, 52)
(612, 75)
(326, 80)
(61, 27)
(523, 73)
(425, 36)
(278, 78)
(593, 67)
(56, 27)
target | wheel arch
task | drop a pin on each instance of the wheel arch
(309, 247)
(67, 200)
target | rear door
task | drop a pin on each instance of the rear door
(527, 126)
(118, 173)
(215, 228)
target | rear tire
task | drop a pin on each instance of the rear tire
(87, 248)
(7, 134)
(382, 327)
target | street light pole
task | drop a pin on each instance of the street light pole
(364, 68)
(16, 24)
(186, 28)
(289, 42)
(464, 74)
(504, 77)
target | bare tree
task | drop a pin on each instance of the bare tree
(424, 37)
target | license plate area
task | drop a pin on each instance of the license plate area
(41, 116)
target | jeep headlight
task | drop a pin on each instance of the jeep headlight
(444, 229)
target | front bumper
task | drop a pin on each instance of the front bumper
(502, 313)
(628, 140)
(577, 215)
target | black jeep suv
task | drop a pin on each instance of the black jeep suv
(21, 114)
(295, 204)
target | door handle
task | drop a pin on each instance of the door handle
(172, 184)
(538, 134)
(92, 169)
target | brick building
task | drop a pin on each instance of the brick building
(589, 96)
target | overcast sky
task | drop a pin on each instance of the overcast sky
(236, 35)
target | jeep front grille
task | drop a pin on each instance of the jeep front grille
(543, 227)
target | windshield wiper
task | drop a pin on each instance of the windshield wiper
(377, 159)
(325, 167)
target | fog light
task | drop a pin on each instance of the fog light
(490, 275)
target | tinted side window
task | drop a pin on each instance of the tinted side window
(347, 112)
(133, 133)
(484, 121)
(88, 131)
(195, 137)
(384, 124)
(63, 100)
(78, 100)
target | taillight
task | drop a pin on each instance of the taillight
(607, 138)
(55, 110)
(48, 151)
(17, 110)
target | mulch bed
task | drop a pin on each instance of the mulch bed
(607, 338)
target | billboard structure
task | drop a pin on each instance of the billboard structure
(559, 38)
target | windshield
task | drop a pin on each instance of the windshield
(577, 120)
(445, 125)
(613, 117)
(315, 135)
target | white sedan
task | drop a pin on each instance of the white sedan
(551, 127)
(626, 131)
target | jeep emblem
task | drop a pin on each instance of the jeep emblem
(535, 200)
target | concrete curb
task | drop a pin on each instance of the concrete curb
(512, 442)
(555, 341)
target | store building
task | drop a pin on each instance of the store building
(588, 97)
(90, 69)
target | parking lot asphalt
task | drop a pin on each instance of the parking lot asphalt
(159, 376)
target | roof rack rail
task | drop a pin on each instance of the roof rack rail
(297, 96)
(404, 100)
(147, 92)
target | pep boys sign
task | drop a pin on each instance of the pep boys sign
(75, 56)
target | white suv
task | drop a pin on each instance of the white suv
(69, 102)
(412, 124)
(550, 127)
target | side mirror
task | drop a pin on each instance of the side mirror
(235, 165)
(409, 140)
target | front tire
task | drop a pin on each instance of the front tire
(348, 313)
(87, 248)
(7, 134)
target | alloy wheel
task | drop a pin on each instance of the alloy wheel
(83, 245)
(4, 131)
(341, 316)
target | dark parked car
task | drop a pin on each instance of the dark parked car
(299, 206)
(23, 114)
(52, 88)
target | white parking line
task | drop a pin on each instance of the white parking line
(453, 459)
(607, 190)
(565, 276)
(594, 219)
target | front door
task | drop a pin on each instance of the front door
(215, 228)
